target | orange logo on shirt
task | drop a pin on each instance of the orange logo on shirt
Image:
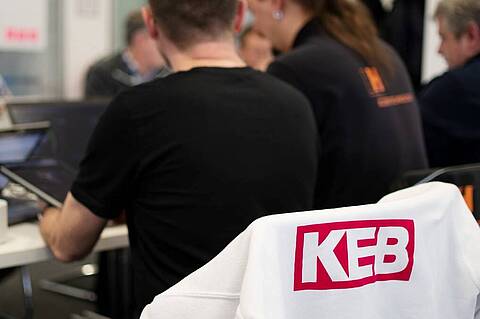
(375, 82)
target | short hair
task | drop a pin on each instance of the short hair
(458, 14)
(133, 24)
(186, 22)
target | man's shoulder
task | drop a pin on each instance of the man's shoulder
(468, 75)
(107, 64)
(183, 87)
(443, 84)
(143, 92)
(443, 97)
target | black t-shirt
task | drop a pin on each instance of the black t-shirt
(193, 159)
(450, 107)
(368, 120)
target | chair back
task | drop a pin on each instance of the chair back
(415, 254)
(466, 177)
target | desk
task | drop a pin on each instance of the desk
(25, 245)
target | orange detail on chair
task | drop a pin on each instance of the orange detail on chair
(467, 192)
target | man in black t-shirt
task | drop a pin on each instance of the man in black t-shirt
(192, 158)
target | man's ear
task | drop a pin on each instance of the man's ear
(472, 37)
(474, 31)
(240, 15)
(149, 21)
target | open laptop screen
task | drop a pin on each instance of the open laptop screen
(71, 125)
(16, 147)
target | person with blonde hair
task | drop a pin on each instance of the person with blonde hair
(367, 116)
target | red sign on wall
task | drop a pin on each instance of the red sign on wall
(23, 25)
(13, 34)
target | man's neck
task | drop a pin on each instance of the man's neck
(207, 54)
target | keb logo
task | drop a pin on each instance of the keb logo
(353, 254)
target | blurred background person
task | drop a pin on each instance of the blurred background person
(140, 62)
(367, 116)
(450, 104)
(255, 49)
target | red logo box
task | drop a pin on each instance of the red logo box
(352, 254)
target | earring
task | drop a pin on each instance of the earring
(278, 15)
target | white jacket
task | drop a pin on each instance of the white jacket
(415, 254)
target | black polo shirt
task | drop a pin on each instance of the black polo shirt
(368, 120)
(193, 159)
(450, 107)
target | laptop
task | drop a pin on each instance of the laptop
(47, 178)
(71, 125)
(52, 167)
(49, 169)
(17, 144)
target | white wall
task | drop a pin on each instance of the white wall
(433, 63)
(87, 36)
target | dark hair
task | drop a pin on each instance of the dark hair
(350, 23)
(133, 24)
(188, 21)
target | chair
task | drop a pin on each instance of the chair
(466, 177)
(415, 254)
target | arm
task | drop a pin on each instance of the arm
(100, 191)
(71, 233)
